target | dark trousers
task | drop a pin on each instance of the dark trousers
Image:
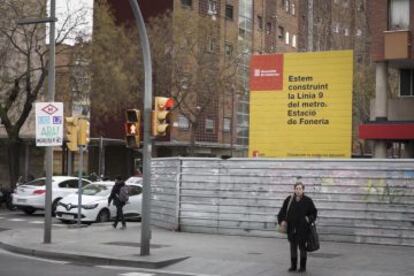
(294, 245)
(119, 215)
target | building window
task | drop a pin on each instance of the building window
(212, 7)
(407, 82)
(227, 124)
(228, 49)
(293, 9)
(187, 3)
(211, 45)
(209, 126)
(268, 27)
(336, 28)
(229, 12)
(345, 4)
(281, 32)
(399, 14)
(346, 32)
(260, 23)
(183, 122)
(286, 4)
(287, 38)
(294, 45)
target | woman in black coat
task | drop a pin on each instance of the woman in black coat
(114, 196)
(298, 211)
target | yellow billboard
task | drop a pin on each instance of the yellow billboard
(301, 105)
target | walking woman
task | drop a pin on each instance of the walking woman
(118, 202)
(297, 212)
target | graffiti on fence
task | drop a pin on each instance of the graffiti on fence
(381, 190)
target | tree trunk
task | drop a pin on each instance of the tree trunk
(13, 151)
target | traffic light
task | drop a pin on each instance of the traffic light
(160, 122)
(72, 133)
(133, 128)
(83, 138)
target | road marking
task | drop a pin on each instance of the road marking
(36, 222)
(146, 271)
(16, 219)
(136, 274)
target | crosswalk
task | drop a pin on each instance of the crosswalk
(136, 274)
(28, 220)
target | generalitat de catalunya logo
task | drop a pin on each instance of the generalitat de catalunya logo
(266, 72)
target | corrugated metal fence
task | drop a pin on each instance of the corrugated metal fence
(368, 201)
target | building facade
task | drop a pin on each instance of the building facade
(391, 120)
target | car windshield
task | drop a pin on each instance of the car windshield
(96, 190)
(37, 182)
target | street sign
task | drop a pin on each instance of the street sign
(49, 124)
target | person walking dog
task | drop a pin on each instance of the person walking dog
(119, 196)
(297, 213)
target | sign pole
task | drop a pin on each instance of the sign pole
(49, 150)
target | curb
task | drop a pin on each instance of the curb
(91, 259)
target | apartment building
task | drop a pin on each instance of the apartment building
(391, 126)
(276, 26)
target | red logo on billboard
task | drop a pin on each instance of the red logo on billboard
(266, 72)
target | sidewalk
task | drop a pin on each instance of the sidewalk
(204, 254)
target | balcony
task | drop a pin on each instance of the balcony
(397, 45)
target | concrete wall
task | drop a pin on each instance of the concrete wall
(369, 201)
(399, 109)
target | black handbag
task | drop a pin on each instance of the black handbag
(312, 241)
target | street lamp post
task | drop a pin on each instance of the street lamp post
(147, 149)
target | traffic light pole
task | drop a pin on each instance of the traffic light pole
(80, 184)
(147, 148)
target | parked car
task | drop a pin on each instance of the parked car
(134, 180)
(30, 196)
(95, 203)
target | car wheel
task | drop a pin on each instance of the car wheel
(103, 216)
(29, 210)
(54, 206)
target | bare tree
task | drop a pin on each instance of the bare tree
(116, 69)
(24, 66)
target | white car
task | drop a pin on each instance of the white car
(95, 204)
(134, 180)
(30, 196)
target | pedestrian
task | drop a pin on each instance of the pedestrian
(119, 204)
(297, 212)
